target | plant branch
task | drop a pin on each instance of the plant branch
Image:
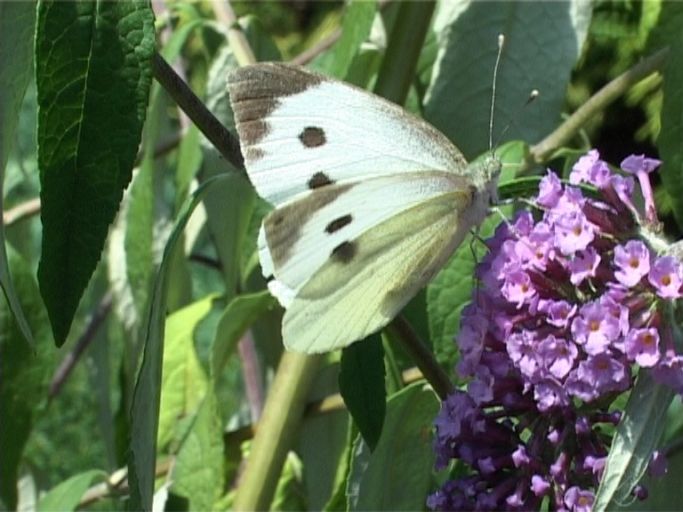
(403, 50)
(325, 43)
(21, 211)
(226, 144)
(401, 330)
(69, 362)
(321, 46)
(236, 38)
(543, 151)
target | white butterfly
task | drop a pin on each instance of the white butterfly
(370, 201)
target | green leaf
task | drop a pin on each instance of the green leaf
(361, 384)
(66, 495)
(355, 29)
(543, 42)
(183, 380)
(637, 436)
(337, 500)
(669, 142)
(138, 222)
(397, 475)
(240, 313)
(664, 492)
(146, 397)
(290, 492)
(322, 440)
(198, 469)
(24, 375)
(93, 75)
(17, 23)
(189, 162)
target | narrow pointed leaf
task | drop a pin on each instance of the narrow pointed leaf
(93, 75)
(24, 375)
(147, 394)
(66, 495)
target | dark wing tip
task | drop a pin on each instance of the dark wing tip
(270, 80)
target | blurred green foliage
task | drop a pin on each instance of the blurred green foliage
(86, 425)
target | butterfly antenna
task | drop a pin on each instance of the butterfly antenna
(532, 96)
(501, 42)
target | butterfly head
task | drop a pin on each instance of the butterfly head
(485, 173)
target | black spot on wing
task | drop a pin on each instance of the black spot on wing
(319, 179)
(312, 137)
(339, 223)
(344, 252)
(255, 92)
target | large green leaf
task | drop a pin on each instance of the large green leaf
(361, 384)
(24, 375)
(93, 74)
(183, 380)
(66, 495)
(146, 397)
(397, 475)
(290, 493)
(543, 42)
(198, 469)
(671, 134)
(17, 23)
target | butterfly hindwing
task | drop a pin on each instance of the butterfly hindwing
(360, 290)
(303, 234)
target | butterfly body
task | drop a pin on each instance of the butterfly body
(370, 201)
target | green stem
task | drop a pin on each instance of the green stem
(276, 431)
(405, 44)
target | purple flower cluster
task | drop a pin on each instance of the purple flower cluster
(568, 304)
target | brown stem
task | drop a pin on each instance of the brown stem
(226, 144)
(69, 362)
(401, 330)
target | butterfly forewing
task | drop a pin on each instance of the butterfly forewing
(301, 130)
